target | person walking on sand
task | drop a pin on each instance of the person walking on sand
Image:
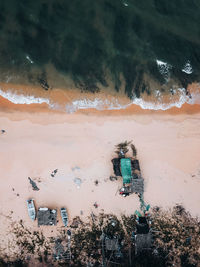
(96, 205)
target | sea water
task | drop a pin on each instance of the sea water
(129, 46)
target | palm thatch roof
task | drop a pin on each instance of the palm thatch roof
(143, 242)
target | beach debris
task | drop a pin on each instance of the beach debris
(54, 172)
(93, 216)
(69, 233)
(96, 182)
(3, 131)
(96, 205)
(76, 168)
(78, 182)
(124, 192)
(156, 209)
(113, 178)
(76, 222)
(34, 186)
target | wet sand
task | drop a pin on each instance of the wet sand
(81, 145)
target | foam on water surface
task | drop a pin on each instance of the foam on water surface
(104, 104)
(23, 99)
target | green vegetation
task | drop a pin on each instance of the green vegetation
(176, 241)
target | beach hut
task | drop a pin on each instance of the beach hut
(111, 250)
(47, 216)
(133, 183)
(143, 236)
(111, 243)
(62, 250)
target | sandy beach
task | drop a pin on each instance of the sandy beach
(81, 145)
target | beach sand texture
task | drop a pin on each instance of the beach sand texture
(81, 145)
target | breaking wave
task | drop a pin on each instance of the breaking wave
(100, 104)
(103, 104)
(22, 99)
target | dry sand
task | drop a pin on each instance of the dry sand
(81, 146)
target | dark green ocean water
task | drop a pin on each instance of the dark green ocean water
(95, 42)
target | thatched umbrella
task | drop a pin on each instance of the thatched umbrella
(122, 148)
(134, 150)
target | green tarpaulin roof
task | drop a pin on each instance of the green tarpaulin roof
(126, 170)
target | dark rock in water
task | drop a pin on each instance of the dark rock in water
(42, 79)
(34, 186)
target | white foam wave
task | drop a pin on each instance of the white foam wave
(125, 4)
(160, 105)
(114, 104)
(23, 99)
(187, 68)
(29, 59)
(96, 103)
(164, 68)
(100, 104)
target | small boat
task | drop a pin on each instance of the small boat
(31, 209)
(64, 216)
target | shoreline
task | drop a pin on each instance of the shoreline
(59, 101)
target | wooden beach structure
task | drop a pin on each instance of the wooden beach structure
(143, 236)
(47, 216)
(129, 170)
(62, 250)
(110, 250)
